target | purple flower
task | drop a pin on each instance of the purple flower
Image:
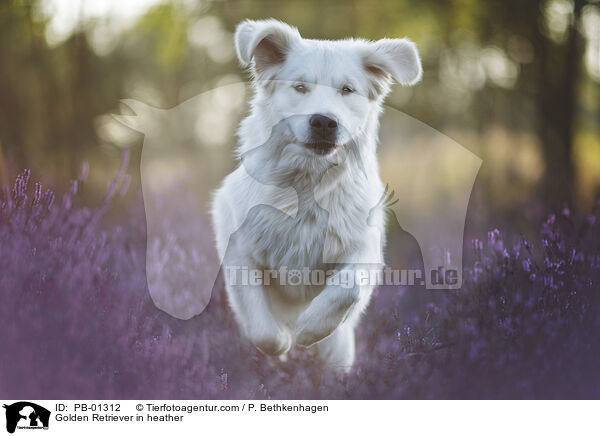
(75, 287)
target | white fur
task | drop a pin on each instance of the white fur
(293, 179)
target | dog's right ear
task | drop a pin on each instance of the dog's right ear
(266, 42)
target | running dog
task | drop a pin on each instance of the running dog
(306, 196)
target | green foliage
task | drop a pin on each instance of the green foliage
(482, 61)
(164, 29)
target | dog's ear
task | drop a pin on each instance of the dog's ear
(396, 57)
(266, 42)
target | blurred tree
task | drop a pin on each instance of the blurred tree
(550, 79)
(512, 64)
(557, 80)
(49, 96)
(544, 97)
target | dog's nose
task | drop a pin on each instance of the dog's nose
(323, 127)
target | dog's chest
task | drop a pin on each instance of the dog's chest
(314, 236)
(295, 242)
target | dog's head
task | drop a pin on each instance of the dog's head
(331, 91)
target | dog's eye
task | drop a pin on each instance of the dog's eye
(347, 90)
(300, 88)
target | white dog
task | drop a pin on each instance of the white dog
(306, 196)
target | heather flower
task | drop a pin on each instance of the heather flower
(78, 321)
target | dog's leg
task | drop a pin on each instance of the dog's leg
(335, 304)
(325, 312)
(336, 351)
(252, 311)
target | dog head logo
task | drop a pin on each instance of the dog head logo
(26, 415)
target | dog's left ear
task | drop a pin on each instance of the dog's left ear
(266, 42)
(396, 57)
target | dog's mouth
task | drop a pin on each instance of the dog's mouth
(320, 148)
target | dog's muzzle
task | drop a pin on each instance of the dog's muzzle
(320, 148)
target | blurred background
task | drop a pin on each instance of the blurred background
(517, 83)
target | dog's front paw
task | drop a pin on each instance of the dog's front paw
(274, 344)
(309, 332)
(305, 337)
